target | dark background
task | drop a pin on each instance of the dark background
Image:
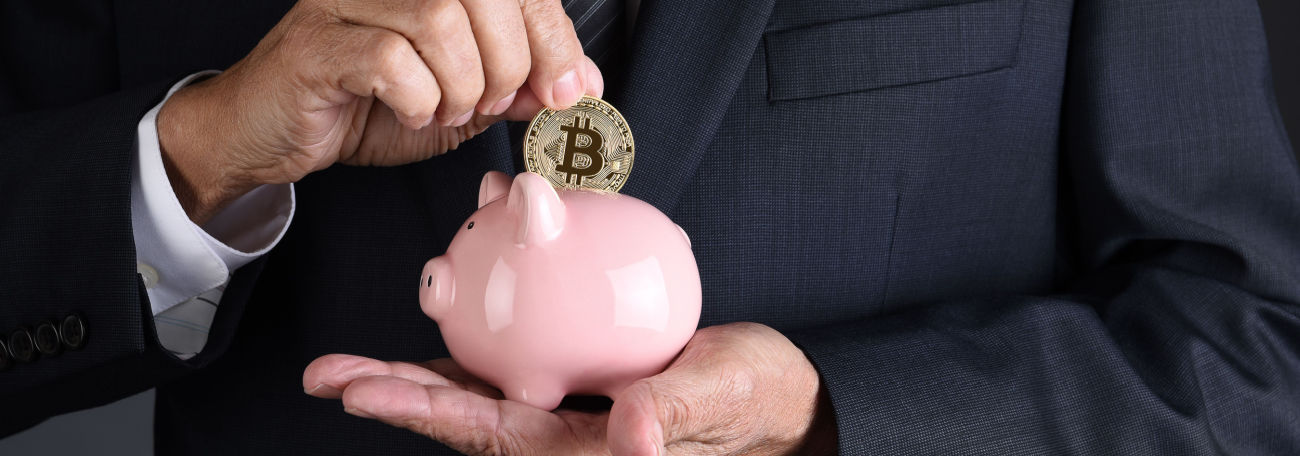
(125, 427)
(1282, 18)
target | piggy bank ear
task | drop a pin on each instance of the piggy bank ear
(494, 186)
(537, 209)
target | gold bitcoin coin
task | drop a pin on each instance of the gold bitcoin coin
(586, 146)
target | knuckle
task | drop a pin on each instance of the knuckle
(460, 409)
(738, 380)
(387, 50)
(437, 16)
(484, 432)
(508, 75)
(554, 30)
(561, 46)
(387, 53)
(542, 8)
(463, 91)
(671, 408)
(425, 23)
(466, 66)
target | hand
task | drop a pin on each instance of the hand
(741, 388)
(441, 71)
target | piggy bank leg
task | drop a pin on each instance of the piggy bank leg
(545, 396)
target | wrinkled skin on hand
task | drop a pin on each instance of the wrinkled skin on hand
(367, 82)
(741, 388)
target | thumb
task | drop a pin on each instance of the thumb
(659, 410)
(526, 104)
(634, 428)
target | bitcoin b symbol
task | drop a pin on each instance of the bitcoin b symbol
(581, 157)
(568, 147)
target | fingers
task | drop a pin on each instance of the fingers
(481, 54)
(503, 44)
(387, 144)
(450, 369)
(526, 104)
(558, 77)
(447, 414)
(455, 60)
(440, 31)
(329, 375)
(368, 61)
(465, 421)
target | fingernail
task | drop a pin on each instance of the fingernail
(463, 119)
(566, 91)
(357, 412)
(503, 105)
(415, 123)
(324, 390)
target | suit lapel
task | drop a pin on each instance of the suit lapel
(687, 60)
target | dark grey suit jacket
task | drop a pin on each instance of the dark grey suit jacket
(995, 227)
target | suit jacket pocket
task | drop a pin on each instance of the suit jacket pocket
(893, 50)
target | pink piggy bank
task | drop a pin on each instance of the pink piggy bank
(545, 293)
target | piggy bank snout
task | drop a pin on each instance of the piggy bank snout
(436, 288)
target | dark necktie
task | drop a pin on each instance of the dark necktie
(600, 25)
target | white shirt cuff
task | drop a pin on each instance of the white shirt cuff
(187, 260)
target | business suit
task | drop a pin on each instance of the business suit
(994, 227)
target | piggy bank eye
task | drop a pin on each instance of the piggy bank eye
(471, 225)
(429, 282)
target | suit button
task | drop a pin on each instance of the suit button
(73, 331)
(47, 339)
(21, 346)
(5, 360)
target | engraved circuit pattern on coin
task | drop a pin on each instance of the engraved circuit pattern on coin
(586, 146)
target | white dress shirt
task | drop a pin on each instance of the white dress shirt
(185, 266)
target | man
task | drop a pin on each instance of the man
(923, 226)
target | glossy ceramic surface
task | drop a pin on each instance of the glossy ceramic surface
(545, 293)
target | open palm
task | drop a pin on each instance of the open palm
(741, 388)
(439, 399)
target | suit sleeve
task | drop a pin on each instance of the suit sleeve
(1180, 334)
(67, 249)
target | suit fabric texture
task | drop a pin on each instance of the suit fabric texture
(994, 226)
